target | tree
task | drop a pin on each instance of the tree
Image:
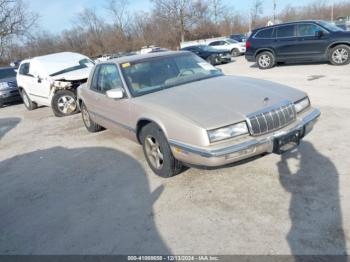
(15, 21)
(255, 11)
(181, 14)
(120, 15)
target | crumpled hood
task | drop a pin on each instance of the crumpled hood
(219, 101)
(79, 74)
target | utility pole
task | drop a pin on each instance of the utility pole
(274, 11)
(332, 12)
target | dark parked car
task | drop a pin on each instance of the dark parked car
(210, 54)
(8, 86)
(301, 41)
(239, 37)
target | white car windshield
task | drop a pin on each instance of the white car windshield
(155, 74)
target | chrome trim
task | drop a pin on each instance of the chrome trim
(245, 145)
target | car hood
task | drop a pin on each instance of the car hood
(75, 75)
(219, 101)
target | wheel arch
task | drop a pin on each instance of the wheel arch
(142, 122)
(334, 44)
(259, 51)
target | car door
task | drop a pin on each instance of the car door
(312, 44)
(24, 78)
(108, 112)
(286, 42)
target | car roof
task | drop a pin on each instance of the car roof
(134, 58)
(288, 23)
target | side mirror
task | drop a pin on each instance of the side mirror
(116, 93)
(319, 33)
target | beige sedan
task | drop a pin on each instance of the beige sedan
(183, 111)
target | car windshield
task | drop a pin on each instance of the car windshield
(83, 63)
(232, 41)
(152, 75)
(330, 26)
(7, 73)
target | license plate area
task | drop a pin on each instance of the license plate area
(287, 142)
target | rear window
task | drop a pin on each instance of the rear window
(265, 33)
(7, 73)
(286, 31)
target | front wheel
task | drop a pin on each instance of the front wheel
(235, 52)
(340, 55)
(64, 103)
(158, 153)
(211, 60)
(90, 125)
(265, 60)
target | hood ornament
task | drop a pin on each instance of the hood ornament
(266, 100)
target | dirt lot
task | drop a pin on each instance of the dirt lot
(65, 191)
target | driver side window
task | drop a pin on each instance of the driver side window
(106, 78)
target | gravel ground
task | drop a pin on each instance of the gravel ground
(65, 191)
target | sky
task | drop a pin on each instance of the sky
(58, 15)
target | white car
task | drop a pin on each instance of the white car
(236, 48)
(52, 80)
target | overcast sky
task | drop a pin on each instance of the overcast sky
(59, 15)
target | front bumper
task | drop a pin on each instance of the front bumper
(9, 96)
(243, 150)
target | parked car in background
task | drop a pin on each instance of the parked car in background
(239, 37)
(301, 41)
(152, 49)
(185, 111)
(52, 80)
(211, 55)
(234, 47)
(8, 86)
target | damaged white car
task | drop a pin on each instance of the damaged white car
(52, 80)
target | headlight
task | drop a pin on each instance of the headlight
(302, 104)
(227, 132)
(3, 85)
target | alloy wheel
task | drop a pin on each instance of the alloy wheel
(153, 152)
(86, 117)
(340, 55)
(66, 104)
(264, 61)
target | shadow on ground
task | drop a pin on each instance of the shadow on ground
(77, 201)
(6, 124)
(315, 210)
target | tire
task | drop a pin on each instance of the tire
(64, 103)
(90, 125)
(211, 60)
(28, 103)
(235, 52)
(1, 104)
(158, 153)
(265, 60)
(339, 55)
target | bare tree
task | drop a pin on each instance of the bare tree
(179, 13)
(255, 11)
(15, 21)
(119, 11)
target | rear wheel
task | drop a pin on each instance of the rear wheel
(64, 103)
(265, 60)
(29, 104)
(158, 153)
(340, 55)
(90, 125)
(235, 52)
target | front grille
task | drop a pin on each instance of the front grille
(272, 119)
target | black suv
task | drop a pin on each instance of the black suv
(212, 55)
(298, 42)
